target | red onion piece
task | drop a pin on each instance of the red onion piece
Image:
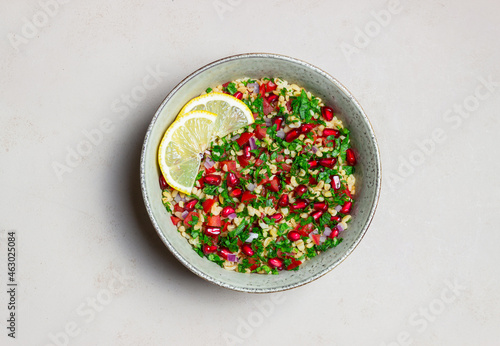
(280, 134)
(340, 228)
(251, 187)
(184, 214)
(232, 216)
(337, 208)
(209, 163)
(235, 137)
(327, 231)
(314, 150)
(232, 257)
(177, 198)
(336, 182)
(252, 143)
(322, 239)
(255, 87)
(268, 121)
(251, 237)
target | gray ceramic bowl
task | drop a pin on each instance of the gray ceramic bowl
(318, 82)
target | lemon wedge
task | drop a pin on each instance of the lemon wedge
(232, 114)
(182, 148)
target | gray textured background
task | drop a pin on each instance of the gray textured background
(90, 66)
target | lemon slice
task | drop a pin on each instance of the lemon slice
(232, 114)
(182, 147)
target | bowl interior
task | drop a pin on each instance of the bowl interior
(320, 84)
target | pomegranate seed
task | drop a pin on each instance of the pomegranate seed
(292, 135)
(272, 98)
(276, 217)
(300, 190)
(247, 250)
(346, 208)
(246, 152)
(227, 211)
(331, 132)
(232, 180)
(224, 252)
(323, 206)
(212, 231)
(335, 182)
(213, 179)
(283, 201)
(275, 262)
(189, 206)
(225, 84)
(207, 249)
(163, 182)
(305, 128)
(313, 164)
(299, 204)
(238, 95)
(328, 162)
(317, 214)
(293, 236)
(236, 193)
(335, 232)
(278, 121)
(335, 218)
(327, 113)
(350, 157)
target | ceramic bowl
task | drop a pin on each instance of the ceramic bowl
(319, 83)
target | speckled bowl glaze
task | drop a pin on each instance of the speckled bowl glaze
(321, 84)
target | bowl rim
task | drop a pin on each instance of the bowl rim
(172, 249)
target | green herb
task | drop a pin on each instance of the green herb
(209, 90)
(211, 189)
(238, 229)
(231, 88)
(215, 258)
(349, 170)
(217, 153)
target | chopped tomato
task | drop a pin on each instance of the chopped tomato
(178, 208)
(231, 165)
(248, 197)
(304, 230)
(244, 138)
(258, 162)
(347, 192)
(243, 161)
(226, 84)
(214, 221)
(254, 263)
(202, 182)
(207, 205)
(175, 220)
(267, 108)
(280, 158)
(260, 131)
(275, 184)
(285, 167)
(262, 90)
(210, 170)
(270, 86)
(189, 218)
(295, 263)
(315, 238)
(289, 106)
